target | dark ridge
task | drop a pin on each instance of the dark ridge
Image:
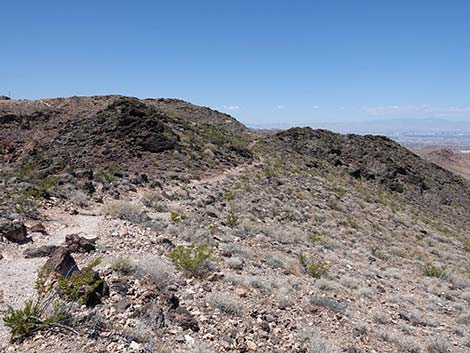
(383, 161)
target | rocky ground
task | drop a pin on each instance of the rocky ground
(307, 254)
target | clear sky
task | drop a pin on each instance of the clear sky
(261, 61)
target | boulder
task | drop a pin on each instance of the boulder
(42, 251)
(78, 244)
(13, 230)
(62, 263)
(183, 318)
(38, 228)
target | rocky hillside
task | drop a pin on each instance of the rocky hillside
(380, 160)
(83, 132)
(158, 226)
(455, 161)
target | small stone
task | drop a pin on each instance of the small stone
(189, 339)
(135, 346)
(38, 228)
(251, 345)
(241, 292)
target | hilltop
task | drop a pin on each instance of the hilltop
(216, 238)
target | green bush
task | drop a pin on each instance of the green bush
(232, 219)
(433, 271)
(176, 217)
(315, 268)
(192, 259)
(22, 322)
(80, 285)
(466, 245)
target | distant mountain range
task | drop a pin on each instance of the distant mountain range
(390, 127)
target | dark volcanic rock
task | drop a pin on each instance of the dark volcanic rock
(42, 251)
(62, 263)
(38, 228)
(12, 230)
(76, 243)
(182, 317)
(380, 160)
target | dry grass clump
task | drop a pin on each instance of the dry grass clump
(438, 344)
(285, 298)
(315, 342)
(329, 303)
(125, 210)
(157, 270)
(122, 264)
(431, 270)
(235, 263)
(227, 304)
(154, 200)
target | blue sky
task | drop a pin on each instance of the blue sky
(261, 61)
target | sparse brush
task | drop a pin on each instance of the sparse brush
(22, 322)
(176, 217)
(80, 285)
(123, 265)
(192, 259)
(154, 200)
(126, 211)
(157, 270)
(227, 304)
(232, 219)
(431, 270)
(315, 268)
(466, 245)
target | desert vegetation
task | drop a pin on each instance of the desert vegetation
(279, 249)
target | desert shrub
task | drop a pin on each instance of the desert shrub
(176, 217)
(23, 322)
(269, 172)
(125, 210)
(232, 219)
(315, 342)
(80, 285)
(157, 270)
(107, 175)
(235, 263)
(329, 303)
(438, 344)
(123, 265)
(154, 200)
(42, 284)
(431, 270)
(284, 298)
(274, 261)
(315, 268)
(227, 304)
(464, 319)
(466, 245)
(192, 259)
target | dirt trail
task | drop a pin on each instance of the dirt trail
(18, 274)
(212, 179)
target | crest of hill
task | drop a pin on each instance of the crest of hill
(380, 160)
(138, 135)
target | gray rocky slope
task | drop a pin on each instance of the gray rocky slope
(315, 241)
